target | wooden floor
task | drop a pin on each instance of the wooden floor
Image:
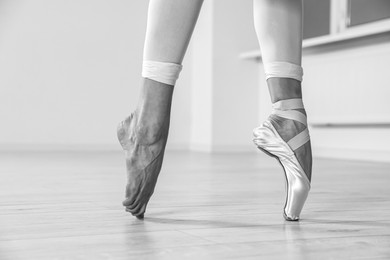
(57, 205)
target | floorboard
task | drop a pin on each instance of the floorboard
(67, 205)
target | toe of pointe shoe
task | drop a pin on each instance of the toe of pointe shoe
(292, 218)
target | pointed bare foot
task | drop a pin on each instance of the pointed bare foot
(144, 152)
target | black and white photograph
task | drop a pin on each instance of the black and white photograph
(194, 129)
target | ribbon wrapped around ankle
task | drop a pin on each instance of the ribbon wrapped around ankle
(163, 72)
(281, 69)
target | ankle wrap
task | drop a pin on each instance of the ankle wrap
(279, 69)
(286, 109)
(163, 72)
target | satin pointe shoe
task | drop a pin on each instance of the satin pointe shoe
(267, 139)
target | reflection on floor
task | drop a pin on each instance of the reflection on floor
(67, 205)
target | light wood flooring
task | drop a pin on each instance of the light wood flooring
(67, 205)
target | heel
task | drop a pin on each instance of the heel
(123, 131)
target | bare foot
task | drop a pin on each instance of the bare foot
(144, 151)
(287, 129)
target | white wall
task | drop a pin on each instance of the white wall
(235, 81)
(346, 86)
(225, 99)
(202, 80)
(70, 70)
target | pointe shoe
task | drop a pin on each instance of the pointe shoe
(267, 139)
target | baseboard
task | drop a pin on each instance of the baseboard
(58, 147)
(323, 152)
(77, 147)
(10, 147)
(352, 154)
(177, 147)
(222, 148)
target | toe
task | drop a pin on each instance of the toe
(141, 216)
(141, 212)
(135, 202)
(128, 202)
(137, 209)
(132, 194)
(133, 206)
(131, 201)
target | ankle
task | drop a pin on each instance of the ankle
(302, 110)
(284, 88)
(148, 130)
(149, 133)
(289, 116)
